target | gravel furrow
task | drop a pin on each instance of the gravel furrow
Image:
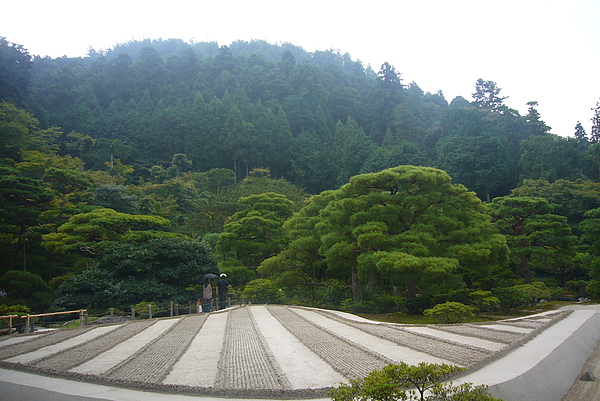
(153, 363)
(46, 340)
(483, 332)
(460, 354)
(345, 357)
(82, 353)
(246, 361)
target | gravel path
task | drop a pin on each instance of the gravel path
(257, 351)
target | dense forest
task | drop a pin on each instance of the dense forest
(308, 177)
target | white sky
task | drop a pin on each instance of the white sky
(535, 50)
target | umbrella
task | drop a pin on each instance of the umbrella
(209, 276)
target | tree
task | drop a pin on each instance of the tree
(90, 234)
(158, 270)
(22, 202)
(15, 72)
(486, 95)
(116, 197)
(404, 224)
(424, 381)
(595, 133)
(532, 231)
(181, 163)
(255, 233)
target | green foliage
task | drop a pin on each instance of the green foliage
(511, 297)
(484, 301)
(159, 270)
(17, 309)
(312, 120)
(450, 312)
(261, 291)
(142, 309)
(534, 235)
(256, 232)
(424, 381)
(27, 289)
(593, 289)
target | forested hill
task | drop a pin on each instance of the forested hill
(315, 119)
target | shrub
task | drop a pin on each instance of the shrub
(417, 305)
(404, 382)
(484, 301)
(361, 307)
(450, 312)
(141, 308)
(593, 289)
(262, 291)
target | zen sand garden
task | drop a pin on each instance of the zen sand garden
(282, 352)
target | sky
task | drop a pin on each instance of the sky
(546, 51)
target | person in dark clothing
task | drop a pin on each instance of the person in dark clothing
(222, 288)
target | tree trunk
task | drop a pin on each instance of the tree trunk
(411, 288)
(525, 269)
(356, 292)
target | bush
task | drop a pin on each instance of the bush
(416, 306)
(511, 297)
(535, 292)
(141, 309)
(403, 382)
(593, 289)
(262, 291)
(450, 312)
(334, 293)
(484, 301)
(361, 307)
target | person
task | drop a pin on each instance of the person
(222, 287)
(207, 296)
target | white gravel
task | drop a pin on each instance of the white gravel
(303, 368)
(512, 329)
(124, 350)
(198, 366)
(473, 341)
(52, 349)
(15, 339)
(381, 346)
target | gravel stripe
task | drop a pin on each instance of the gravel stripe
(63, 346)
(45, 340)
(246, 361)
(198, 366)
(82, 353)
(458, 354)
(125, 349)
(14, 339)
(303, 368)
(446, 335)
(153, 362)
(347, 358)
(511, 329)
(485, 332)
(373, 343)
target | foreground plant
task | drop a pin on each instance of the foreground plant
(404, 382)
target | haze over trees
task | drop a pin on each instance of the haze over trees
(338, 184)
